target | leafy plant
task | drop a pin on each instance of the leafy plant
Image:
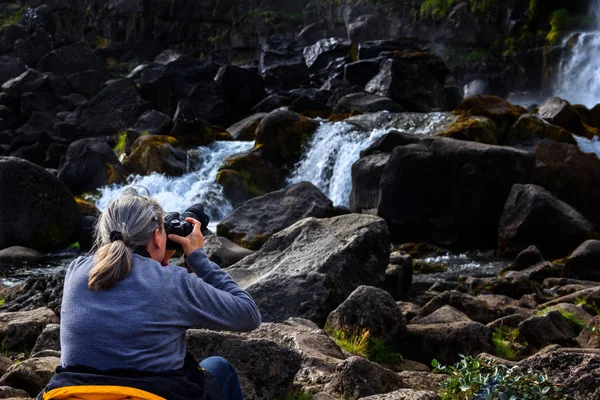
(582, 301)
(121, 141)
(476, 378)
(11, 15)
(361, 344)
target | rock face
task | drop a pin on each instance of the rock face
(36, 209)
(532, 216)
(310, 268)
(224, 252)
(90, 164)
(266, 369)
(254, 222)
(473, 179)
(31, 375)
(372, 309)
(19, 330)
(577, 371)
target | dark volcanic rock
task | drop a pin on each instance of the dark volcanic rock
(223, 251)
(28, 81)
(189, 127)
(251, 224)
(583, 263)
(36, 209)
(156, 153)
(547, 329)
(532, 216)
(560, 112)
(90, 164)
(153, 122)
(246, 128)
(69, 60)
(10, 67)
(361, 72)
(310, 268)
(86, 83)
(362, 103)
(327, 57)
(282, 65)
(241, 88)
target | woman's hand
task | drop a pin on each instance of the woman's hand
(193, 241)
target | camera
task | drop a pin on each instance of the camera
(176, 224)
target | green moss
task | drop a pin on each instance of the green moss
(362, 344)
(559, 21)
(503, 340)
(436, 9)
(298, 395)
(11, 15)
(569, 316)
(121, 141)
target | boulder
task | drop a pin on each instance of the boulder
(530, 128)
(583, 262)
(90, 164)
(577, 371)
(154, 123)
(369, 309)
(589, 337)
(414, 79)
(28, 81)
(241, 88)
(37, 292)
(362, 103)
(282, 135)
(36, 209)
(272, 102)
(547, 329)
(561, 113)
(475, 309)
(405, 394)
(49, 339)
(513, 284)
(326, 58)
(373, 48)
(357, 377)
(71, 59)
(189, 127)
(445, 342)
(309, 268)
(320, 355)
(444, 315)
(116, 106)
(474, 180)
(7, 392)
(31, 375)
(398, 278)
(156, 153)
(568, 174)
(42, 102)
(282, 65)
(361, 72)
(473, 129)
(10, 67)
(19, 253)
(86, 83)
(248, 175)
(246, 129)
(254, 222)
(265, 368)
(533, 216)
(224, 252)
(19, 330)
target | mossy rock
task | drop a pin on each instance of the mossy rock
(282, 135)
(472, 129)
(86, 207)
(503, 113)
(421, 267)
(530, 128)
(247, 176)
(156, 153)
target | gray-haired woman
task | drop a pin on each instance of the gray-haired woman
(125, 312)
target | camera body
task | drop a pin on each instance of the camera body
(176, 224)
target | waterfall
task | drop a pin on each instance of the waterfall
(579, 70)
(328, 159)
(197, 186)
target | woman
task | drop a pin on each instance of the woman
(125, 314)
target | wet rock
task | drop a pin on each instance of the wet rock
(69, 60)
(90, 164)
(271, 103)
(246, 129)
(153, 122)
(253, 223)
(358, 377)
(156, 153)
(560, 112)
(37, 292)
(86, 83)
(224, 252)
(362, 103)
(311, 103)
(445, 314)
(310, 268)
(28, 81)
(19, 330)
(241, 88)
(38, 208)
(326, 58)
(49, 339)
(532, 216)
(413, 79)
(369, 309)
(475, 309)
(31, 375)
(372, 49)
(116, 106)
(281, 136)
(20, 253)
(445, 342)
(473, 129)
(577, 371)
(547, 329)
(282, 65)
(530, 128)
(266, 369)
(189, 127)
(459, 167)
(405, 394)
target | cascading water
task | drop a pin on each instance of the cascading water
(328, 160)
(579, 77)
(197, 186)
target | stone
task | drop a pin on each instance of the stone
(582, 263)
(473, 129)
(224, 252)
(309, 268)
(560, 112)
(405, 394)
(189, 127)
(10, 67)
(362, 103)
(86, 83)
(547, 329)
(154, 123)
(49, 339)
(7, 392)
(475, 309)
(589, 337)
(445, 314)
(241, 88)
(36, 209)
(156, 153)
(254, 222)
(31, 375)
(245, 129)
(20, 253)
(530, 128)
(19, 330)
(28, 81)
(361, 72)
(327, 57)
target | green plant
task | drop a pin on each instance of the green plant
(1, 301)
(121, 141)
(473, 376)
(582, 301)
(436, 9)
(559, 22)
(361, 344)
(298, 395)
(503, 339)
(11, 15)
(569, 316)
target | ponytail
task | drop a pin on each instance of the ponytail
(112, 263)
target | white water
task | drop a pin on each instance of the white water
(579, 77)
(328, 159)
(197, 186)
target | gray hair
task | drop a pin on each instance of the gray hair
(128, 223)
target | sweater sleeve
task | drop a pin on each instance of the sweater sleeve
(212, 299)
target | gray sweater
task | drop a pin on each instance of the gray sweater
(140, 322)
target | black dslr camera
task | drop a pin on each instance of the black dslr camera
(175, 223)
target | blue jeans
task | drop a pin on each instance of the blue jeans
(222, 381)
